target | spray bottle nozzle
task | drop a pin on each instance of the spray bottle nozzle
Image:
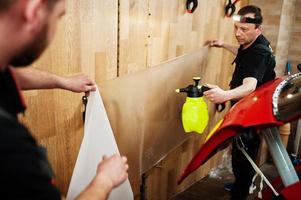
(193, 90)
(182, 90)
(196, 80)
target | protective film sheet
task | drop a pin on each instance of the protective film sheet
(145, 112)
(98, 140)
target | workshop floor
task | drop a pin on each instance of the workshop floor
(211, 187)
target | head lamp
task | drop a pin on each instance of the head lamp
(243, 19)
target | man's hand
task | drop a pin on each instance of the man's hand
(79, 83)
(216, 94)
(112, 170)
(214, 43)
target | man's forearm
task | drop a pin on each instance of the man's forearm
(248, 86)
(33, 78)
(92, 193)
(98, 189)
(232, 48)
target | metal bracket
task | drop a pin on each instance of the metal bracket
(85, 101)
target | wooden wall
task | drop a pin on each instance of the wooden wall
(282, 27)
(294, 53)
(86, 41)
(154, 31)
(271, 11)
(110, 38)
(284, 36)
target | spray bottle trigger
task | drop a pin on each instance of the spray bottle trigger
(205, 88)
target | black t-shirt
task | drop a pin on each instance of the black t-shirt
(11, 100)
(256, 61)
(25, 172)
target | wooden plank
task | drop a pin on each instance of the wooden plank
(133, 36)
(86, 36)
(180, 33)
(151, 31)
(145, 112)
(294, 54)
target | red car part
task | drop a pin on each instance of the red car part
(250, 111)
(271, 105)
(278, 185)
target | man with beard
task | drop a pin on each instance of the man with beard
(26, 28)
(255, 65)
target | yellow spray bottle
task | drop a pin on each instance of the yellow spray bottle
(195, 111)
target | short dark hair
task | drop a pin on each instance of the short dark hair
(5, 4)
(252, 9)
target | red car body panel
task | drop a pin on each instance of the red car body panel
(255, 110)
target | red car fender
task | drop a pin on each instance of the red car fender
(254, 110)
(292, 192)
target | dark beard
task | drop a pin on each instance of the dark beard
(32, 50)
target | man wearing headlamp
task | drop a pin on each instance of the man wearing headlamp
(255, 65)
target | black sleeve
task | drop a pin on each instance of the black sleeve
(255, 65)
(24, 169)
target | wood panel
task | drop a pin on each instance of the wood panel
(133, 35)
(283, 40)
(86, 42)
(282, 27)
(294, 54)
(271, 11)
(153, 31)
(145, 111)
(150, 32)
